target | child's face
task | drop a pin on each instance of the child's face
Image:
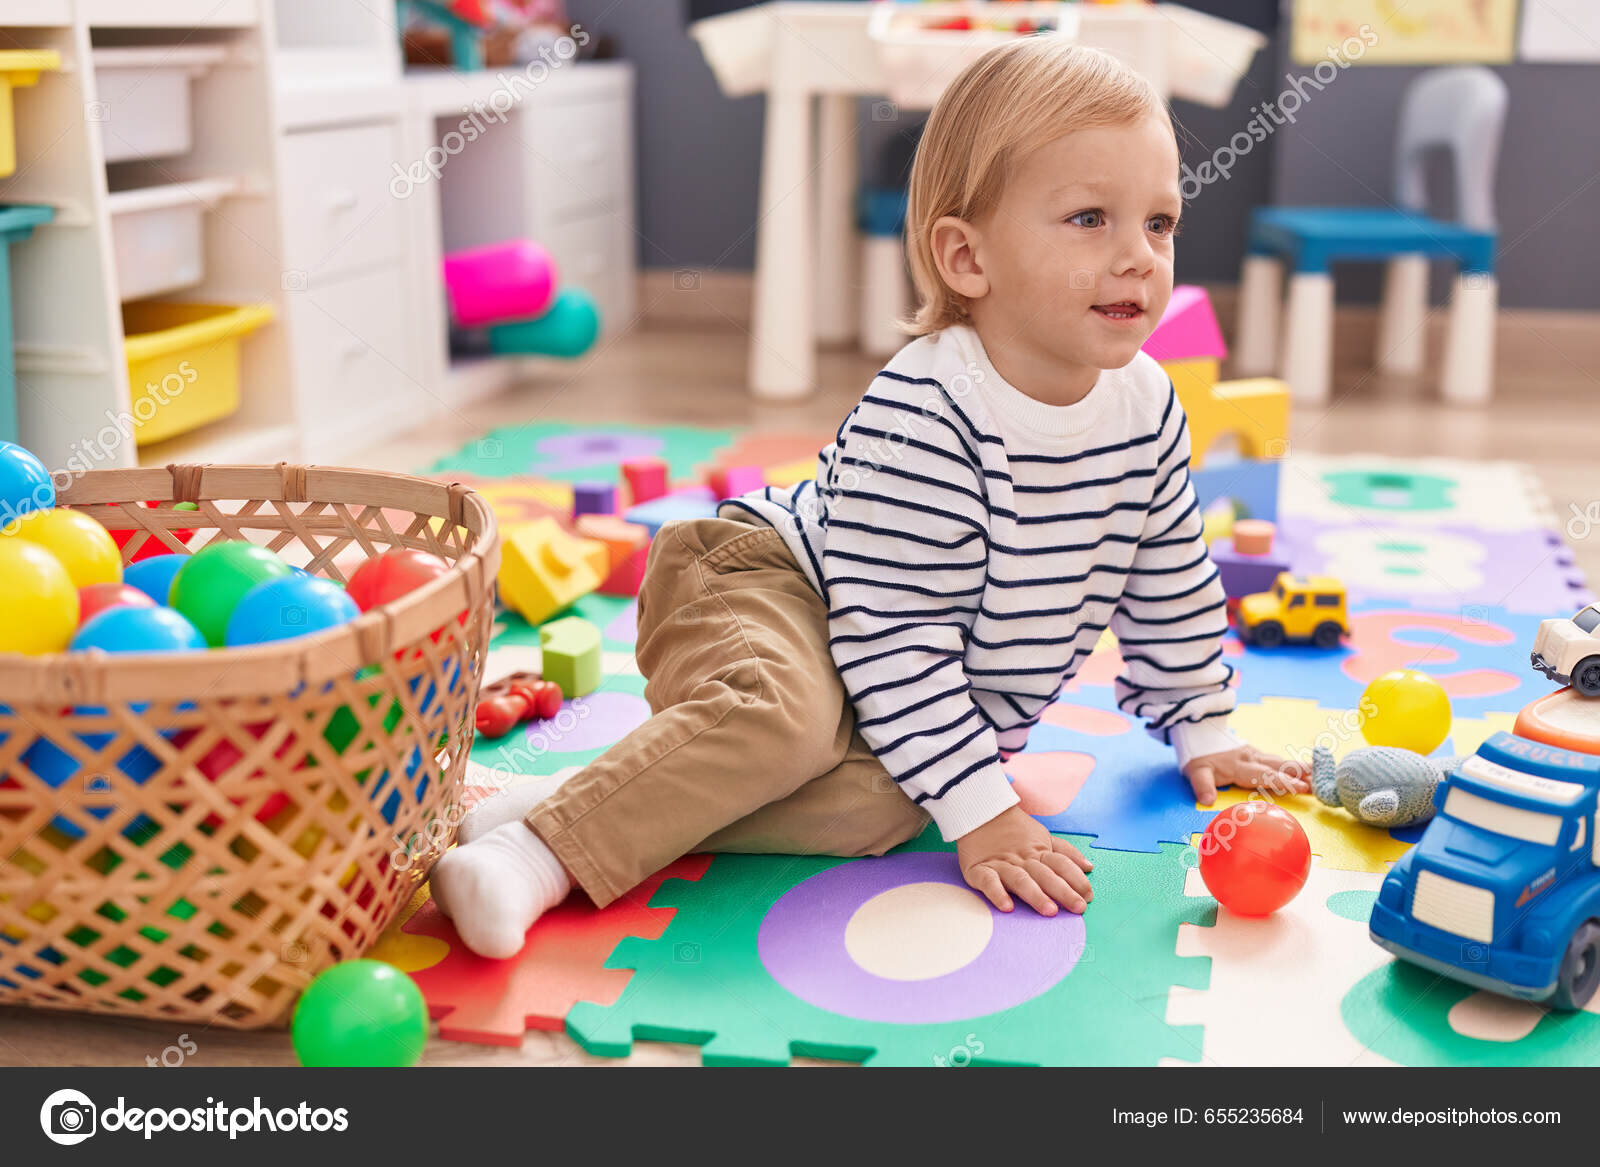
(1077, 255)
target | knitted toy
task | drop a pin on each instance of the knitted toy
(1382, 786)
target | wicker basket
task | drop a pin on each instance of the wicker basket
(236, 821)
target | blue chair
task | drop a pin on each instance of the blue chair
(1462, 110)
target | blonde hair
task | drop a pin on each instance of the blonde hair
(1002, 107)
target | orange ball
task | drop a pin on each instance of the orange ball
(1254, 858)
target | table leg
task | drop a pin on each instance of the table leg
(1467, 374)
(782, 356)
(1308, 339)
(1401, 323)
(1260, 307)
(838, 247)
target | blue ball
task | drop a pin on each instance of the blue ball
(138, 630)
(286, 607)
(24, 483)
(153, 576)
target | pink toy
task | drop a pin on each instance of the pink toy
(733, 481)
(1188, 328)
(504, 281)
(647, 478)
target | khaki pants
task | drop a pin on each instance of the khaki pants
(752, 743)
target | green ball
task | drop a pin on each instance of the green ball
(211, 584)
(360, 1013)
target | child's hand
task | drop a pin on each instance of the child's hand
(1014, 852)
(1248, 767)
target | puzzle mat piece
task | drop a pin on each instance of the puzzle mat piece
(494, 1002)
(586, 726)
(1290, 728)
(1521, 571)
(775, 450)
(704, 980)
(577, 453)
(408, 953)
(1129, 792)
(1479, 655)
(1418, 1018)
(1305, 956)
(521, 499)
(1428, 492)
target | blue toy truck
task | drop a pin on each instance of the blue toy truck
(1503, 890)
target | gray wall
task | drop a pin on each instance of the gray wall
(700, 158)
(1546, 197)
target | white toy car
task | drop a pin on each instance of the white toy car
(1568, 651)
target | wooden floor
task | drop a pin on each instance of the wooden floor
(1545, 413)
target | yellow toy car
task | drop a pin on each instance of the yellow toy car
(1298, 608)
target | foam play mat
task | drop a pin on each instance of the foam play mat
(757, 959)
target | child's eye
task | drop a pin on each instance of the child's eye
(1090, 219)
(1162, 225)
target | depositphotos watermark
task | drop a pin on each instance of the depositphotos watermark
(88, 453)
(482, 114)
(1269, 115)
(69, 1117)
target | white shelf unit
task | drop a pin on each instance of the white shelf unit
(302, 119)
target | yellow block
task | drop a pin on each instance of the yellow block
(1254, 412)
(543, 569)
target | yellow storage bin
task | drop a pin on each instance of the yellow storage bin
(18, 67)
(183, 363)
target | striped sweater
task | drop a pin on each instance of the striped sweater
(972, 543)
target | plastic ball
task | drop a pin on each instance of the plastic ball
(24, 483)
(1405, 708)
(97, 598)
(148, 629)
(210, 585)
(84, 547)
(294, 605)
(360, 1013)
(1254, 858)
(154, 576)
(37, 598)
(391, 575)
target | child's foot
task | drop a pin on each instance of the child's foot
(496, 887)
(512, 797)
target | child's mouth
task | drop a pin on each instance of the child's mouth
(1122, 312)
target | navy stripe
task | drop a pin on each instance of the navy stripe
(930, 650)
(890, 747)
(991, 760)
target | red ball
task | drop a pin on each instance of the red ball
(391, 575)
(1254, 858)
(96, 598)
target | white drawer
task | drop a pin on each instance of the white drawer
(593, 254)
(353, 357)
(579, 156)
(339, 215)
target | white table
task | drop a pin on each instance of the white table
(797, 51)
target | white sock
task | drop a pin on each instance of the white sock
(496, 887)
(512, 797)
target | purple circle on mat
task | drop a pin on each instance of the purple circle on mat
(802, 945)
(610, 717)
(576, 450)
(626, 625)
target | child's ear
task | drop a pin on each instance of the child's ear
(954, 243)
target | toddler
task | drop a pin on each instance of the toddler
(832, 666)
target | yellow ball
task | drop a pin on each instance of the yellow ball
(1405, 708)
(38, 599)
(84, 547)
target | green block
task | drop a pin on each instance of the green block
(704, 981)
(571, 648)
